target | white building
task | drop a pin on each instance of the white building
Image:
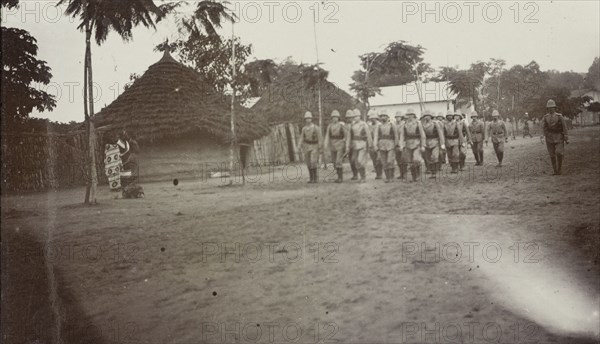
(436, 97)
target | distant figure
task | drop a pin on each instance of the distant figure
(412, 142)
(349, 119)
(555, 132)
(466, 134)
(526, 129)
(454, 138)
(434, 138)
(112, 163)
(373, 124)
(441, 120)
(477, 129)
(360, 142)
(497, 132)
(311, 144)
(399, 123)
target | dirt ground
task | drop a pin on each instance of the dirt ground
(492, 256)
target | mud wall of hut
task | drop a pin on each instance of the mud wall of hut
(36, 162)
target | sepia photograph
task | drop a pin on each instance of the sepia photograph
(300, 172)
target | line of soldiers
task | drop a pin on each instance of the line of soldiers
(411, 143)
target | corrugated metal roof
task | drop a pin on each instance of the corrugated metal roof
(407, 94)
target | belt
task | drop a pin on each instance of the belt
(452, 137)
(386, 137)
(433, 136)
(311, 142)
(556, 131)
(359, 139)
(336, 137)
(412, 137)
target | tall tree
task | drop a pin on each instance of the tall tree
(260, 74)
(20, 70)
(592, 78)
(99, 17)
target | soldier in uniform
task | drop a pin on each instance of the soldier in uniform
(441, 120)
(555, 131)
(497, 132)
(385, 141)
(373, 124)
(412, 143)
(349, 119)
(335, 140)
(526, 131)
(401, 167)
(454, 137)
(359, 142)
(462, 153)
(434, 138)
(477, 130)
(311, 144)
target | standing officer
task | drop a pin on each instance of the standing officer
(335, 140)
(477, 130)
(311, 144)
(454, 138)
(555, 131)
(385, 142)
(358, 143)
(434, 138)
(441, 121)
(412, 143)
(399, 123)
(373, 124)
(462, 153)
(349, 118)
(497, 131)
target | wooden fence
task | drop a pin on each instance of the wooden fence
(36, 162)
(276, 148)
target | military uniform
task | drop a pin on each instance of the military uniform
(462, 153)
(441, 120)
(412, 142)
(401, 166)
(349, 117)
(373, 124)
(454, 137)
(434, 138)
(385, 141)
(497, 132)
(556, 134)
(477, 130)
(335, 139)
(311, 143)
(359, 142)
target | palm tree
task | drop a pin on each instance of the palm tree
(99, 17)
(208, 15)
(260, 74)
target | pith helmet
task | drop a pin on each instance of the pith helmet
(373, 114)
(383, 113)
(427, 113)
(411, 112)
(449, 113)
(356, 112)
(399, 114)
(307, 114)
(495, 113)
(550, 104)
(474, 114)
(351, 114)
(335, 113)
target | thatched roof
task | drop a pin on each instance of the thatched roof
(170, 100)
(288, 98)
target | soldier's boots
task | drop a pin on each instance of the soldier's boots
(354, 172)
(461, 163)
(415, 170)
(340, 175)
(454, 166)
(559, 160)
(553, 160)
(310, 176)
(500, 157)
(389, 174)
(392, 174)
(363, 175)
(315, 176)
(434, 169)
(378, 171)
(403, 170)
(481, 157)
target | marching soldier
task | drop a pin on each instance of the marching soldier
(454, 138)
(335, 140)
(477, 130)
(433, 136)
(349, 119)
(555, 131)
(385, 142)
(441, 120)
(399, 123)
(412, 143)
(526, 131)
(358, 143)
(311, 144)
(462, 154)
(497, 132)
(373, 124)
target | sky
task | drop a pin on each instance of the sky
(559, 35)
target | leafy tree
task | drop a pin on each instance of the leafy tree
(260, 74)
(20, 71)
(99, 17)
(592, 78)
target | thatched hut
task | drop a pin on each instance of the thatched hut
(289, 97)
(179, 123)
